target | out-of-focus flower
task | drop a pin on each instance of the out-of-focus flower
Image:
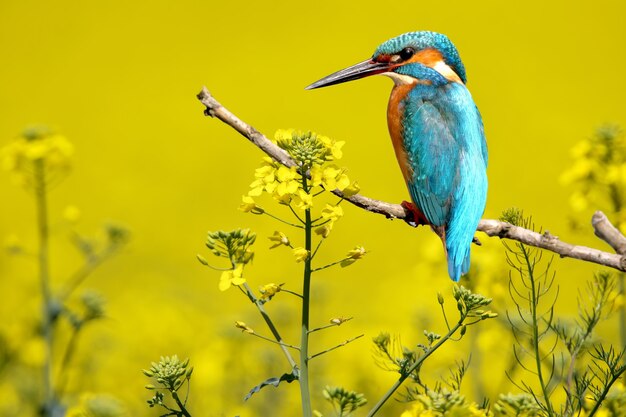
(93, 304)
(37, 152)
(12, 244)
(598, 177)
(71, 214)
(97, 405)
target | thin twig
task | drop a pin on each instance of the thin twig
(273, 341)
(337, 346)
(492, 228)
(339, 323)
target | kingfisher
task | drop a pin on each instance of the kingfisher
(437, 134)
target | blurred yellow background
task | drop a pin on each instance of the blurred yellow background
(119, 79)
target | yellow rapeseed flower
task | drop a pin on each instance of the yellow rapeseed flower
(334, 147)
(36, 146)
(332, 213)
(279, 238)
(71, 214)
(301, 254)
(355, 254)
(303, 200)
(352, 189)
(243, 326)
(325, 230)
(283, 134)
(249, 206)
(270, 290)
(231, 277)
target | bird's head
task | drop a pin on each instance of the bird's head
(402, 57)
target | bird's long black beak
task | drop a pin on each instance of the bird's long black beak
(360, 70)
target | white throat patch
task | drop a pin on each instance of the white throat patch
(400, 79)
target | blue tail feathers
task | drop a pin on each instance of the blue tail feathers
(458, 261)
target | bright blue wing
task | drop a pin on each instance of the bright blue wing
(432, 153)
(446, 149)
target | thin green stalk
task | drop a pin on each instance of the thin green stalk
(284, 221)
(83, 273)
(330, 264)
(605, 391)
(413, 367)
(534, 301)
(352, 339)
(44, 282)
(270, 325)
(307, 410)
(180, 404)
(616, 199)
(67, 357)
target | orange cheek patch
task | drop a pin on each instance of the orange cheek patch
(432, 58)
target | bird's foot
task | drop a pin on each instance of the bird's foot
(414, 216)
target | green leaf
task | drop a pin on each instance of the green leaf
(271, 381)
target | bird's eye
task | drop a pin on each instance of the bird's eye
(407, 53)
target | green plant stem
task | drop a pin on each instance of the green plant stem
(307, 410)
(616, 199)
(183, 410)
(534, 302)
(606, 390)
(413, 367)
(67, 357)
(44, 282)
(85, 270)
(270, 325)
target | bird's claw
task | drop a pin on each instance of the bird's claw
(414, 216)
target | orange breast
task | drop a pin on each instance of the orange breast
(395, 111)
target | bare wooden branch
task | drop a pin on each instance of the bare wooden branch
(492, 228)
(609, 233)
